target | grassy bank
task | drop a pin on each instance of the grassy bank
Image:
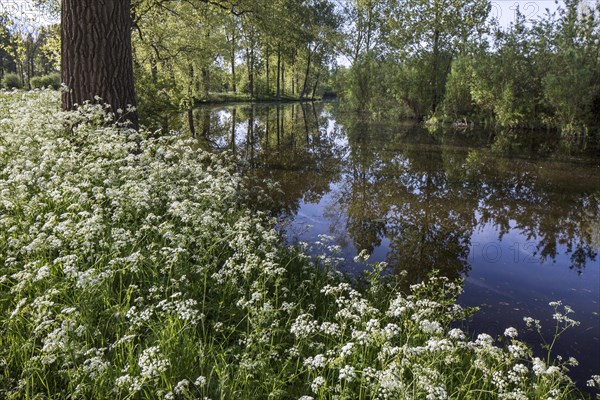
(133, 267)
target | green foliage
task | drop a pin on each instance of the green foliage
(50, 80)
(447, 59)
(458, 101)
(571, 85)
(12, 81)
(158, 97)
(360, 85)
(193, 45)
(36, 82)
(426, 37)
(26, 49)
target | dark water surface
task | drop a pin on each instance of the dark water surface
(517, 219)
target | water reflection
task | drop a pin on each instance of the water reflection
(518, 219)
(425, 195)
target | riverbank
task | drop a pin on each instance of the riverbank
(136, 267)
(226, 97)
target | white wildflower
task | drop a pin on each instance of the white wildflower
(511, 332)
(317, 383)
(347, 373)
(594, 382)
(431, 327)
(315, 362)
(347, 349)
(181, 387)
(200, 381)
(152, 363)
(457, 334)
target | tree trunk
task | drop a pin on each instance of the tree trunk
(282, 77)
(250, 62)
(190, 115)
(434, 69)
(303, 94)
(314, 90)
(278, 72)
(153, 70)
(294, 73)
(27, 80)
(97, 55)
(267, 65)
(233, 80)
(205, 82)
(233, 74)
(232, 58)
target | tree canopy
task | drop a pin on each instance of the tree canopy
(438, 60)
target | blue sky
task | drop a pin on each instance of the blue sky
(505, 10)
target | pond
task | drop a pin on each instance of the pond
(517, 215)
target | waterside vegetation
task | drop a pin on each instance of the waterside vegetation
(133, 266)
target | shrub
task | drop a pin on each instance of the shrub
(12, 81)
(51, 80)
(36, 82)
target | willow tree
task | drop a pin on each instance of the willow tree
(96, 54)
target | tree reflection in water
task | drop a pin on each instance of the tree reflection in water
(425, 194)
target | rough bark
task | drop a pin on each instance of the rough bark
(96, 54)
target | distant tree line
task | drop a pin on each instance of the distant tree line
(449, 60)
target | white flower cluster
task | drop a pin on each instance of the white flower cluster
(152, 363)
(381, 349)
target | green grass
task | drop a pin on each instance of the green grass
(134, 267)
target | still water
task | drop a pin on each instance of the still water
(517, 219)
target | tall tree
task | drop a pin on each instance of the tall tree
(97, 55)
(425, 36)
